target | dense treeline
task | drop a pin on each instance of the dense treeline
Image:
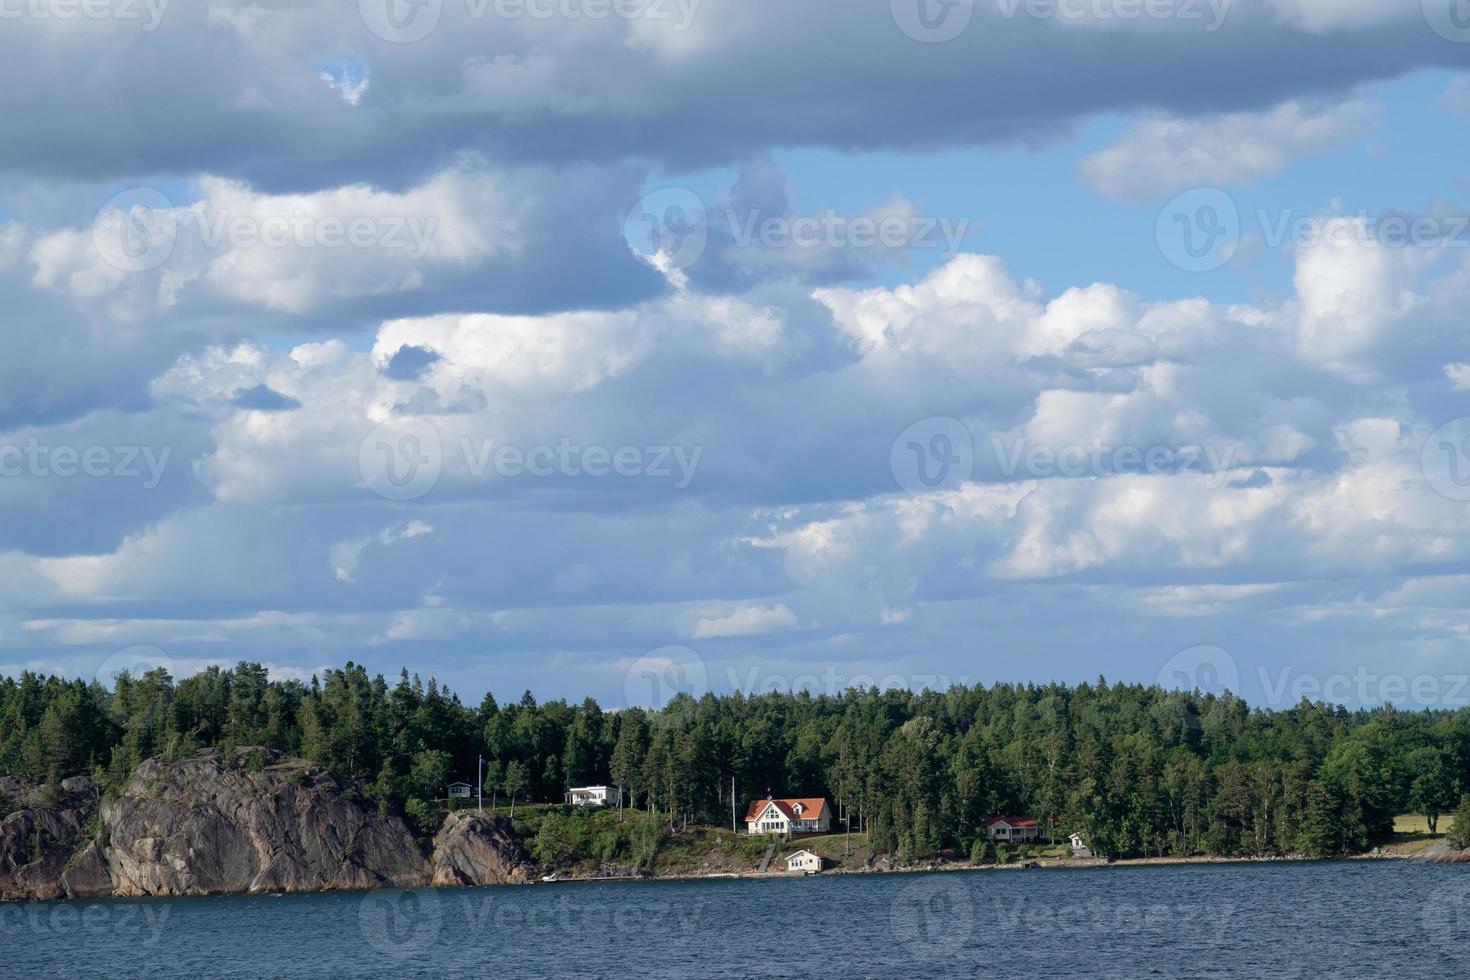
(1137, 770)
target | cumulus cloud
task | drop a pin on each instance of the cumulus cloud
(1157, 157)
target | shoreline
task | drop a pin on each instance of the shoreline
(941, 868)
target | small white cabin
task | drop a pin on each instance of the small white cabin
(1011, 830)
(1079, 847)
(461, 791)
(804, 861)
(593, 796)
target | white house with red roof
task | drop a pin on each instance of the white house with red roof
(795, 815)
(1011, 830)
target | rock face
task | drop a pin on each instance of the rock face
(242, 821)
(252, 822)
(41, 842)
(480, 849)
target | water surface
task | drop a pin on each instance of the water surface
(1349, 919)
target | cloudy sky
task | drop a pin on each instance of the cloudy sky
(611, 347)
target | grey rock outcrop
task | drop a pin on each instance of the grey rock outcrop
(480, 849)
(241, 821)
(252, 821)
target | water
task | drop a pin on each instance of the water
(1358, 919)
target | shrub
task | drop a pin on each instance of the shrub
(421, 816)
(1459, 835)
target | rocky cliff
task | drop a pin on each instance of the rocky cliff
(232, 822)
(480, 849)
(47, 848)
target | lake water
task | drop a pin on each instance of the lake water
(1357, 919)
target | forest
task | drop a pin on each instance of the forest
(1139, 771)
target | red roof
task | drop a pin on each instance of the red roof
(811, 807)
(1013, 821)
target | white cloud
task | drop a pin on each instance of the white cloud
(1159, 156)
(745, 621)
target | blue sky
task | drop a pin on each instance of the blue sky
(740, 345)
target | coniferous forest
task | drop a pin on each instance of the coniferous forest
(1140, 771)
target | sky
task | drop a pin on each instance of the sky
(624, 347)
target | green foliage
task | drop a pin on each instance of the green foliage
(559, 837)
(1459, 835)
(422, 816)
(1137, 770)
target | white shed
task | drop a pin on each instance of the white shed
(804, 861)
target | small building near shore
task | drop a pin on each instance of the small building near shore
(1013, 830)
(1079, 847)
(804, 861)
(461, 791)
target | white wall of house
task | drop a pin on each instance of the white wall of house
(804, 861)
(592, 795)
